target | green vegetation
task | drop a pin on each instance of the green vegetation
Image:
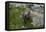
(15, 21)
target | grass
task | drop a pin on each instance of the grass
(15, 21)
